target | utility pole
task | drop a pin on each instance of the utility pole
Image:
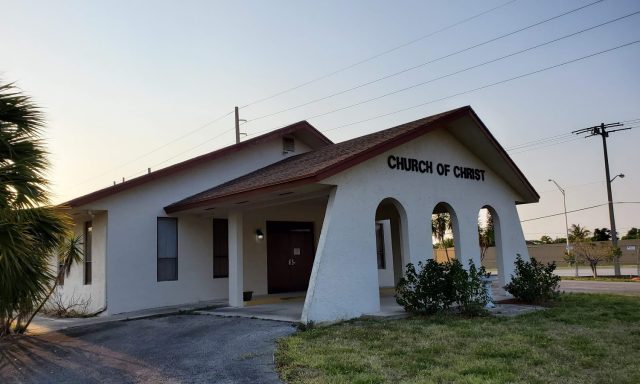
(238, 126)
(238, 121)
(602, 131)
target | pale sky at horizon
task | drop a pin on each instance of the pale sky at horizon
(119, 79)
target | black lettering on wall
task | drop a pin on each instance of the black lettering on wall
(443, 169)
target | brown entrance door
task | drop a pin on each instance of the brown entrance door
(290, 255)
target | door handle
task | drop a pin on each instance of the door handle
(293, 262)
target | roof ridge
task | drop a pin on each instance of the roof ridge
(317, 164)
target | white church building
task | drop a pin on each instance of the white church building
(291, 211)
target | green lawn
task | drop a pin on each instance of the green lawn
(583, 338)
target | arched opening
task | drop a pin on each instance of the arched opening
(444, 233)
(390, 220)
(490, 241)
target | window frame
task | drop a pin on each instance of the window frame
(88, 256)
(223, 223)
(174, 220)
(60, 270)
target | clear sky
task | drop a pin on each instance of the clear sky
(126, 85)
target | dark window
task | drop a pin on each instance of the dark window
(220, 248)
(167, 248)
(380, 245)
(88, 237)
(60, 273)
(288, 144)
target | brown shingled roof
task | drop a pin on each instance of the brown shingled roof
(319, 164)
(301, 127)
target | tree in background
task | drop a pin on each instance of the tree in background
(601, 234)
(546, 240)
(440, 224)
(593, 253)
(578, 233)
(30, 228)
(486, 235)
(446, 243)
(633, 233)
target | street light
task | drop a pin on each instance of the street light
(566, 222)
(621, 175)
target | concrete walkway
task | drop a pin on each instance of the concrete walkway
(44, 324)
(288, 307)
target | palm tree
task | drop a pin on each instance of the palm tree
(69, 253)
(30, 228)
(578, 233)
(440, 224)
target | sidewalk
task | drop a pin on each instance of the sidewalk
(44, 324)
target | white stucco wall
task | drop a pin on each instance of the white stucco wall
(344, 279)
(74, 282)
(132, 227)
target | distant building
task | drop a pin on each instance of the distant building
(292, 211)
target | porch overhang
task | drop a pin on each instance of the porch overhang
(251, 199)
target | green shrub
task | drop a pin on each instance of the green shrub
(472, 291)
(534, 282)
(436, 287)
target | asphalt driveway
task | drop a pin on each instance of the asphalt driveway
(170, 349)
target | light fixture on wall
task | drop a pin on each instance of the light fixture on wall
(259, 235)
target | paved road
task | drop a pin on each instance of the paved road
(171, 349)
(623, 288)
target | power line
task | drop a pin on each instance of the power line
(427, 62)
(377, 55)
(191, 149)
(573, 186)
(541, 140)
(544, 146)
(548, 142)
(474, 66)
(579, 209)
(154, 150)
(485, 86)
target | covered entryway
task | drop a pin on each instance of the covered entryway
(343, 188)
(290, 253)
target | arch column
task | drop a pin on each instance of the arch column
(513, 242)
(344, 279)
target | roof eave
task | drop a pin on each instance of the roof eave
(129, 184)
